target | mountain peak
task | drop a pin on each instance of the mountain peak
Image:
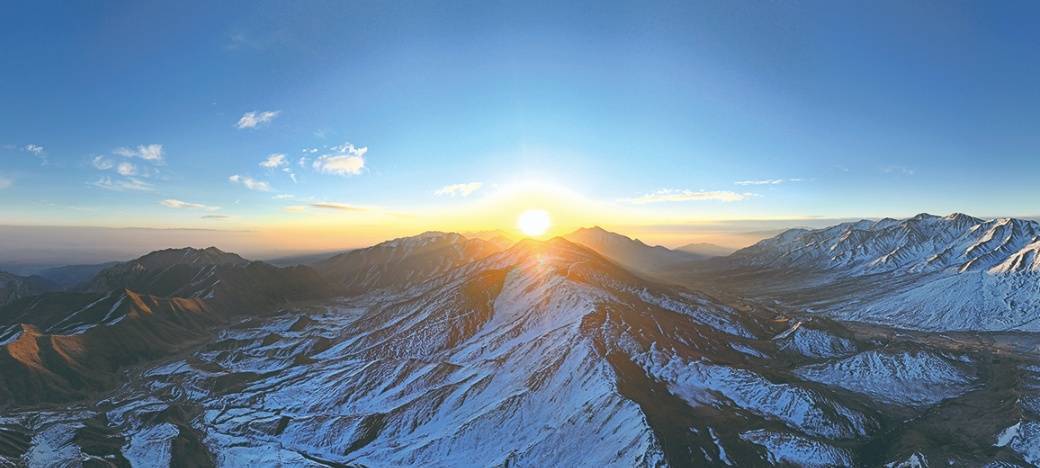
(628, 252)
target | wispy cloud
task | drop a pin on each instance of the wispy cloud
(760, 182)
(256, 119)
(462, 190)
(102, 163)
(153, 152)
(250, 183)
(5, 182)
(126, 169)
(674, 195)
(274, 160)
(898, 170)
(337, 206)
(284, 196)
(120, 185)
(173, 203)
(214, 216)
(295, 208)
(346, 159)
(36, 150)
(767, 181)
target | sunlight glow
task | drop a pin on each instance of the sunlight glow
(533, 222)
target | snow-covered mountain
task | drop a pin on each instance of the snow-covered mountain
(921, 244)
(927, 272)
(541, 354)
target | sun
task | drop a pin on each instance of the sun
(533, 222)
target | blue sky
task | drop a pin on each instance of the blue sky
(659, 108)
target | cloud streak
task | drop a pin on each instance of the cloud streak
(766, 181)
(129, 183)
(256, 119)
(250, 183)
(674, 195)
(462, 190)
(337, 206)
(178, 204)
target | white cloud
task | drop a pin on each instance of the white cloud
(126, 169)
(899, 170)
(5, 182)
(673, 195)
(284, 196)
(346, 159)
(340, 165)
(309, 150)
(768, 181)
(36, 150)
(120, 185)
(173, 203)
(255, 119)
(463, 190)
(102, 163)
(274, 160)
(760, 182)
(214, 216)
(151, 152)
(250, 183)
(337, 206)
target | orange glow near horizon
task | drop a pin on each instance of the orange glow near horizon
(322, 227)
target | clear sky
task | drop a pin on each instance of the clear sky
(322, 124)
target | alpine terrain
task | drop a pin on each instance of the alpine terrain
(445, 350)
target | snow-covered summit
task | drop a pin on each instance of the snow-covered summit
(923, 243)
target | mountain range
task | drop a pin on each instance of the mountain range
(591, 349)
(927, 272)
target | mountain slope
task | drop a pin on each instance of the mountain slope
(163, 271)
(542, 354)
(14, 287)
(404, 260)
(64, 345)
(630, 253)
(705, 249)
(926, 272)
(70, 276)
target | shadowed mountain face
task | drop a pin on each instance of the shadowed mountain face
(542, 353)
(65, 345)
(162, 272)
(14, 287)
(630, 253)
(403, 261)
(72, 276)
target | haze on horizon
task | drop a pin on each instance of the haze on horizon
(271, 128)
